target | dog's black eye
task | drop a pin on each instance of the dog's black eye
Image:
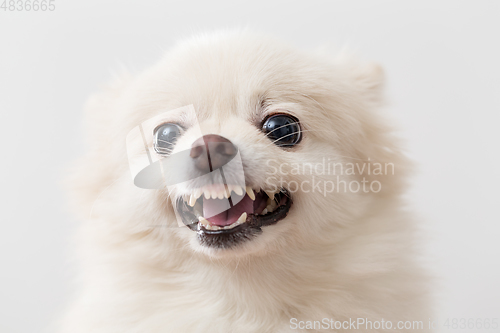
(283, 130)
(165, 137)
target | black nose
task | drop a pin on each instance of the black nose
(212, 151)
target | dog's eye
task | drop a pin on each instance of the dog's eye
(165, 137)
(283, 130)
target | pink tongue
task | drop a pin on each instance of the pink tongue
(220, 213)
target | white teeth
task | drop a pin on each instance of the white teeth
(238, 190)
(192, 200)
(271, 205)
(274, 204)
(270, 194)
(271, 202)
(250, 193)
(221, 193)
(224, 191)
(197, 193)
(242, 218)
(227, 191)
(203, 221)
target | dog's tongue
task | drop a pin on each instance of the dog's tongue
(220, 213)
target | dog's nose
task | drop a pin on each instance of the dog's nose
(212, 151)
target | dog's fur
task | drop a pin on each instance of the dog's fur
(341, 255)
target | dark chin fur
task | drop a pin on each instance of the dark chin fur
(227, 240)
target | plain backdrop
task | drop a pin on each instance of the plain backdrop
(442, 62)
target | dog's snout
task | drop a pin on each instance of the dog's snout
(211, 152)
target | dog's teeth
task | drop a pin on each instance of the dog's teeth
(271, 202)
(238, 190)
(197, 193)
(270, 194)
(264, 212)
(271, 206)
(207, 195)
(250, 193)
(192, 200)
(227, 191)
(242, 218)
(221, 194)
(203, 221)
(207, 224)
(214, 194)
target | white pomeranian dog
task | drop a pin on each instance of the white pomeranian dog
(240, 185)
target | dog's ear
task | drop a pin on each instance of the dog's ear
(368, 78)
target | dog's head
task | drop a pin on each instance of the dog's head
(250, 147)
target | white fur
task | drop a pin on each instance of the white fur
(339, 256)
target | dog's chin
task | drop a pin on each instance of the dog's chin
(242, 228)
(257, 247)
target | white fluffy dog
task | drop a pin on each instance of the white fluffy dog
(238, 119)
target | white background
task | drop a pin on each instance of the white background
(442, 61)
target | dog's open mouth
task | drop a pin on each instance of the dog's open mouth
(224, 215)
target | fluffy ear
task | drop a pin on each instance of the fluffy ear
(371, 79)
(367, 77)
